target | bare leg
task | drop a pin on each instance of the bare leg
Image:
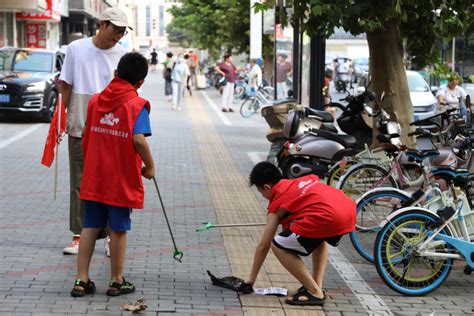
(118, 243)
(86, 248)
(297, 268)
(320, 260)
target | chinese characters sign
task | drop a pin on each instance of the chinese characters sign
(51, 13)
(36, 35)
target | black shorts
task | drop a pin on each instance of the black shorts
(304, 246)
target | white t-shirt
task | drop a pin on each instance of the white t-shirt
(451, 97)
(89, 70)
(180, 71)
(255, 76)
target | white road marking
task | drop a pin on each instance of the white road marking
(216, 109)
(19, 136)
(257, 156)
(364, 293)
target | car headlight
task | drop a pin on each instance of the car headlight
(36, 87)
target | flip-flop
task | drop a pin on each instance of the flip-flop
(304, 298)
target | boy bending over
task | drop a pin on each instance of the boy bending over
(114, 148)
(312, 215)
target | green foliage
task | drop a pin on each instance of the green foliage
(212, 24)
(423, 23)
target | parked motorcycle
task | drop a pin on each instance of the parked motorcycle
(318, 148)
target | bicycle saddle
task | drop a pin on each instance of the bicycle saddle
(347, 141)
(420, 155)
(322, 116)
(447, 173)
(391, 149)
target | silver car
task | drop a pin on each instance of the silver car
(422, 99)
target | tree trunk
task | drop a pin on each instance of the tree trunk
(388, 76)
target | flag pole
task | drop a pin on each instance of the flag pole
(60, 102)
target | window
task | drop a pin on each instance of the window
(284, 61)
(148, 20)
(161, 21)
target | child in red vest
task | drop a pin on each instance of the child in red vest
(114, 147)
(312, 215)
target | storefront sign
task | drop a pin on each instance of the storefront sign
(51, 13)
(36, 35)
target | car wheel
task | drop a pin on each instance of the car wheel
(48, 111)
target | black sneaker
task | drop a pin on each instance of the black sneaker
(116, 289)
(87, 288)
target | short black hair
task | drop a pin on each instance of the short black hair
(227, 56)
(186, 56)
(169, 54)
(264, 173)
(132, 67)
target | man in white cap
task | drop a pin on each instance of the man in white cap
(88, 68)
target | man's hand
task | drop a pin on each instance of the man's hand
(148, 172)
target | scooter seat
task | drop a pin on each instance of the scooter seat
(347, 141)
(322, 116)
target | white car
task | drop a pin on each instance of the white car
(422, 99)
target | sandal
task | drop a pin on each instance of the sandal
(304, 297)
(116, 289)
(82, 288)
(302, 288)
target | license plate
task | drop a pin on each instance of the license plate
(4, 98)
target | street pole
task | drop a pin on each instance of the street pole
(453, 56)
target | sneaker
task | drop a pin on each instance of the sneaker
(107, 246)
(73, 247)
(173, 107)
(178, 108)
(116, 289)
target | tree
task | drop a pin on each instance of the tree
(213, 24)
(391, 27)
(179, 35)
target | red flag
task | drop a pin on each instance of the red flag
(58, 122)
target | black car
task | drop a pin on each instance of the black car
(29, 81)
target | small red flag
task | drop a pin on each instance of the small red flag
(57, 127)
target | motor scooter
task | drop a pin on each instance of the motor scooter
(317, 149)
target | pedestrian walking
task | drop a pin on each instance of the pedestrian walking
(187, 60)
(283, 70)
(229, 71)
(114, 149)
(88, 68)
(193, 64)
(154, 59)
(167, 69)
(179, 77)
(255, 76)
(452, 96)
(312, 215)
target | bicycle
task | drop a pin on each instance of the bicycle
(416, 247)
(252, 105)
(375, 205)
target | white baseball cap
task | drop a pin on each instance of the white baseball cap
(115, 16)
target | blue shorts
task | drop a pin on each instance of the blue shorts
(100, 215)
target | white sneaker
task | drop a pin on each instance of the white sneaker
(107, 246)
(173, 107)
(178, 108)
(73, 247)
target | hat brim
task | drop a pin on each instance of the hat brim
(120, 24)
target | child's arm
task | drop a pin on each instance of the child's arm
(265, 243)
(141, 145)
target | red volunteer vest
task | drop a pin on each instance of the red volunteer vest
(112, 166)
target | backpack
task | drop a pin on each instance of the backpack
(192, 64)
(168, 72)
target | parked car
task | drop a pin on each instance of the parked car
(361, 67)
(29, 81)
(421, 96)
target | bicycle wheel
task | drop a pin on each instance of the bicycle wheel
(239, 92)
(372, 209)
(362, 178)
(248, 107)
(337, 171)
(399, 260)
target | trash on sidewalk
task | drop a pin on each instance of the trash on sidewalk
(136, 308)
(239, 285)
